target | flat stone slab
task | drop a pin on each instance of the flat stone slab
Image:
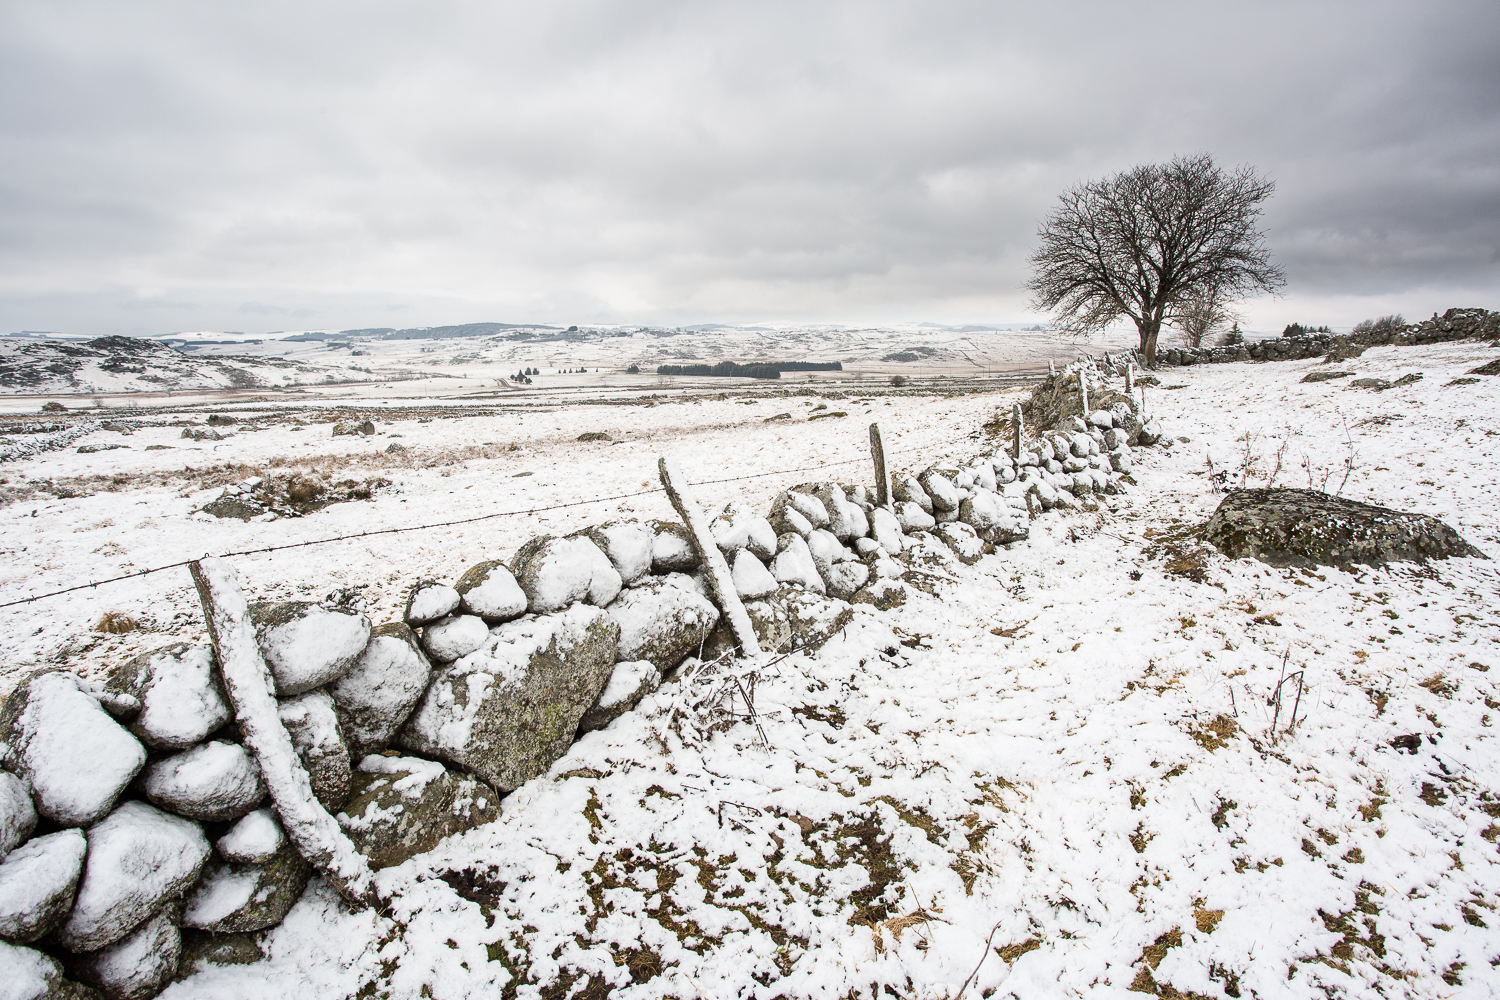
(1291, 527)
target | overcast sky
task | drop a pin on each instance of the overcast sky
(270, 166)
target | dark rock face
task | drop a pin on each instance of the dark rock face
(1289, 527)
(403, 806)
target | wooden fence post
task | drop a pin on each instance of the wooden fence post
(720, 580)
(882, 481)
(1015, 426)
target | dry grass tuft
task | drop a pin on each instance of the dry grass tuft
(116, 623)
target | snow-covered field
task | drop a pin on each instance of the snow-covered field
(1058, 774)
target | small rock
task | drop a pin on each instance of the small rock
(312, 723)
(214, 782)
(884, 594)
(555, 572)
(255, 838)
(405, 806)
(661, 623)
(512, 707)
(380, 690)
(139, 857)
(76, 758)
(1324, 376)
(905, 489)
(794, 563)
(455, 637)
(201, 434)
(37, 884)
(17, 813)
(137, 967)
(627, 545)
(786, 517)
(751, 578)
(630, 681)
(350, 427)
(305, 645)
(430, 601)
(963, 540)
(1377, 384)
(395, 448)
(912, 517)
(181, 701)
(489, 591)
(593, 436)
(940, 488)
(239, 898)
(844, 579)
(672, 548)
(200, 950)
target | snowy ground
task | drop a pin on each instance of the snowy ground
(1061, 767)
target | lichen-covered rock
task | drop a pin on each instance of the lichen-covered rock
(449, 638)
(846, 521)
(510, 708)
(429, 601)
(751, 578)
(378, 693)
(213, 782)
(37, 884)
(1292, 527)
(555, 572)
(136, 967)
(912, 517)
(75, 757)
(312, 723)
(739, 527)
(797, 513)
(963, 540)
(181, 702)
(938, 485)
(844, 579)
(239, 898)
(200, 950)
(491, 592)
(884, 594)
(17, 813)
(790, 619)
(139, 858)
(672, 548)
(403, 806)
(630, 681)
(27, 974)
(906, 489)
(627, 544)
(254, 838)
(307, 645)
(661, 623)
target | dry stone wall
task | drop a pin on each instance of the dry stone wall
(137, 837)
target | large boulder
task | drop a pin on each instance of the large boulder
(661, 623)
(628, 546)
(790, 619)
(17, 813)
(846, 521)
(509, 709)
(76, 758)
(181, 702)
(1292, 527)
(630, 681)
(938, 484)
(238, 897)
(37, 884)
(139, 858)
(911, 517)
(555, 572)
(307, 645)
(378, 693)
(491, 592)
(213, 782)
(312, 723)
(403, 806)
(136, 967)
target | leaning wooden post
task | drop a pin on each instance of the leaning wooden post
(1083, 388)
(720, 580)
(1015, 428)
(882, 481)
(1051, 369)
(251, 691)
(1129, 379)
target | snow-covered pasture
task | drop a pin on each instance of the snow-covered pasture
(1059, 767)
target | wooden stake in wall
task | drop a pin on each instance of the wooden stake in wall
(1083, 388)
(1051, 368)
(720, 580)
(882, 481)
(1130, 380)
(1015, 426)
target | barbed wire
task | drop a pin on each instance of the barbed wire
(264, 550)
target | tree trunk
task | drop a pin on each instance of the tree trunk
(1149, 329)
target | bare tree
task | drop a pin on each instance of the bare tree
(1147, 242)
(1200, 315)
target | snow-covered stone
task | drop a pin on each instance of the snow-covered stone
(751, 578)
(237, 897)
(491, 592)
(17, 813)
(510, 708)
(180, 699)
(794, 563)
(939, 486)
(884, 594)
(313, 725)
(740, 527)
(886, 530)
(404, 806)
(786, 517)
(75, 757)
(378, 693)
(630, 681)
(1120, 461)
(1103, 419)
(906, 489)
(661, 623)
(136, 967)
(865, 547)
(826, 550)
(307, 645)
(845, 520)
(450, 638)
(555, 572)
(672, 548)
(139, 857)
(37, 883)
(430, 601)
(844, 579)
(912, 517)
(963, 540)
(214, 782)
(254, 838)
(27, 974)
(202, 951)
(628, 546)
(985, 512)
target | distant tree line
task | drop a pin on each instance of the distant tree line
(755, 369)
